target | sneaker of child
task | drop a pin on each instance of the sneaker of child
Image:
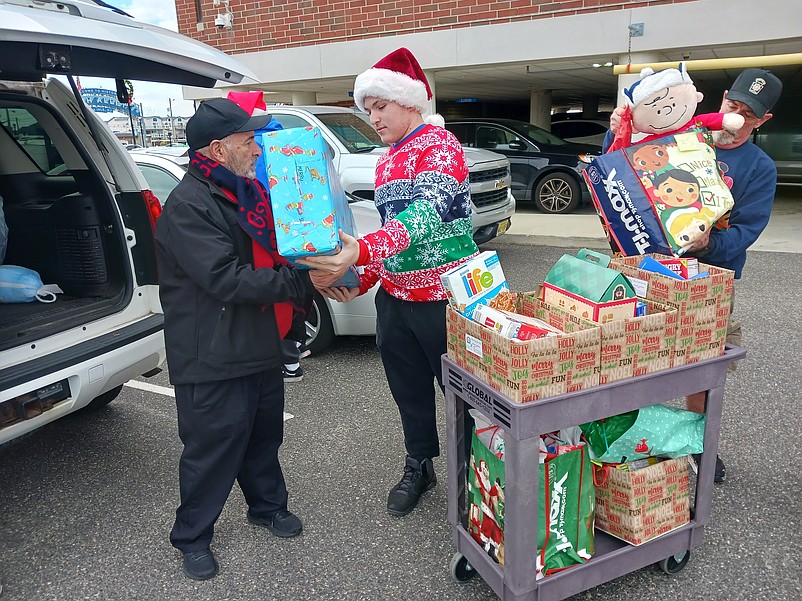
(293, 373)
(303, 351)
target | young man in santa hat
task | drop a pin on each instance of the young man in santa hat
(422, 193)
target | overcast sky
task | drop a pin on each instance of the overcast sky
(153, 96)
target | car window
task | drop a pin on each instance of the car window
(537, 134)
(577, 129)
(25, 128)
(355, 133)
(493, 138)
(290, 121)
(160, 181)
(461, 132)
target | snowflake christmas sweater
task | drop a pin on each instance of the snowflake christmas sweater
(423, 197)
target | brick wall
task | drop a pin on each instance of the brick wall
(275, 24)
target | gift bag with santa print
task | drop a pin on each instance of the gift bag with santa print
(653, 431)
(566, 507)
(659, 196)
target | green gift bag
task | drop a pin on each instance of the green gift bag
(654, 431)
(566, 509)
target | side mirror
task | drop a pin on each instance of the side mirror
(517, 145)
(122, 91)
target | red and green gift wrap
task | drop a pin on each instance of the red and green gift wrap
(566, 508)
(659, 196)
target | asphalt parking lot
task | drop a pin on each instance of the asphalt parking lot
(87, 502)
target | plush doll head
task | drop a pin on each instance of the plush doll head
(662, 102)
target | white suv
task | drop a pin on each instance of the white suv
(356, 148)
(77, 208)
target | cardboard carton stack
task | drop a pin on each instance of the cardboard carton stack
(703, 306)
(532, 369)
(630, 346)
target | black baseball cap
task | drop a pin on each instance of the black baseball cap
(756, 88)
(220, 117)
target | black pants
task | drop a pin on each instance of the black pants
(290, 352)
(231, 430)
(412, 339)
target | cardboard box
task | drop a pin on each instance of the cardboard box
(637, 506)
(600, 312)
(532, 369)
(634, 346)
(474, 282)
(308, 202)
(685, 268)
(589, 290)
(703, 306)
(511, 325)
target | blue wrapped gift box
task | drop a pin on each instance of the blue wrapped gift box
(308, 202)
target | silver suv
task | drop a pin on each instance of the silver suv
(78, 210)
(356, 148)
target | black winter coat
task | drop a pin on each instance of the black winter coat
(219, 321)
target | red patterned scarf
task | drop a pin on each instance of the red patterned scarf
(255, 217)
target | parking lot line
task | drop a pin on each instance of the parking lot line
(169, 392)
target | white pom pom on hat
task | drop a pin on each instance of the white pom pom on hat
(397, 77)
(435, 119)
(651, 83)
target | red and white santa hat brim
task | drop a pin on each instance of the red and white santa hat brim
(650, 83)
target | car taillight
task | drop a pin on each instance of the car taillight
(153, 205)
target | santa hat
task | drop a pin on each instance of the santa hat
(399, 78)
(251, 102)
(651, 83)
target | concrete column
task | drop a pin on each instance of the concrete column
(590, 106)
(433, 103)
(305, 98)
(540, 108)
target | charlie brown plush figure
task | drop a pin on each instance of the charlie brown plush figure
(663, 103)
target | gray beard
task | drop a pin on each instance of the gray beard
(723, 137)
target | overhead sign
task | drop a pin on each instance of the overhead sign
(101, 100)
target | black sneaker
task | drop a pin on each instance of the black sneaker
(283, 523)
(418, 478)
(200, 565)
(293, 375)
(721, 471)
(304, 351)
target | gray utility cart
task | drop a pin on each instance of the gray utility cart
(523, 424)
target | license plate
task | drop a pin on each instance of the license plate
(503, 227)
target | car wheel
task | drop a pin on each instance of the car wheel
(319, 329)
(104, 399)
(557, 193)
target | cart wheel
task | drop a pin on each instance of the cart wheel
(673, 564)
(461, 570)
